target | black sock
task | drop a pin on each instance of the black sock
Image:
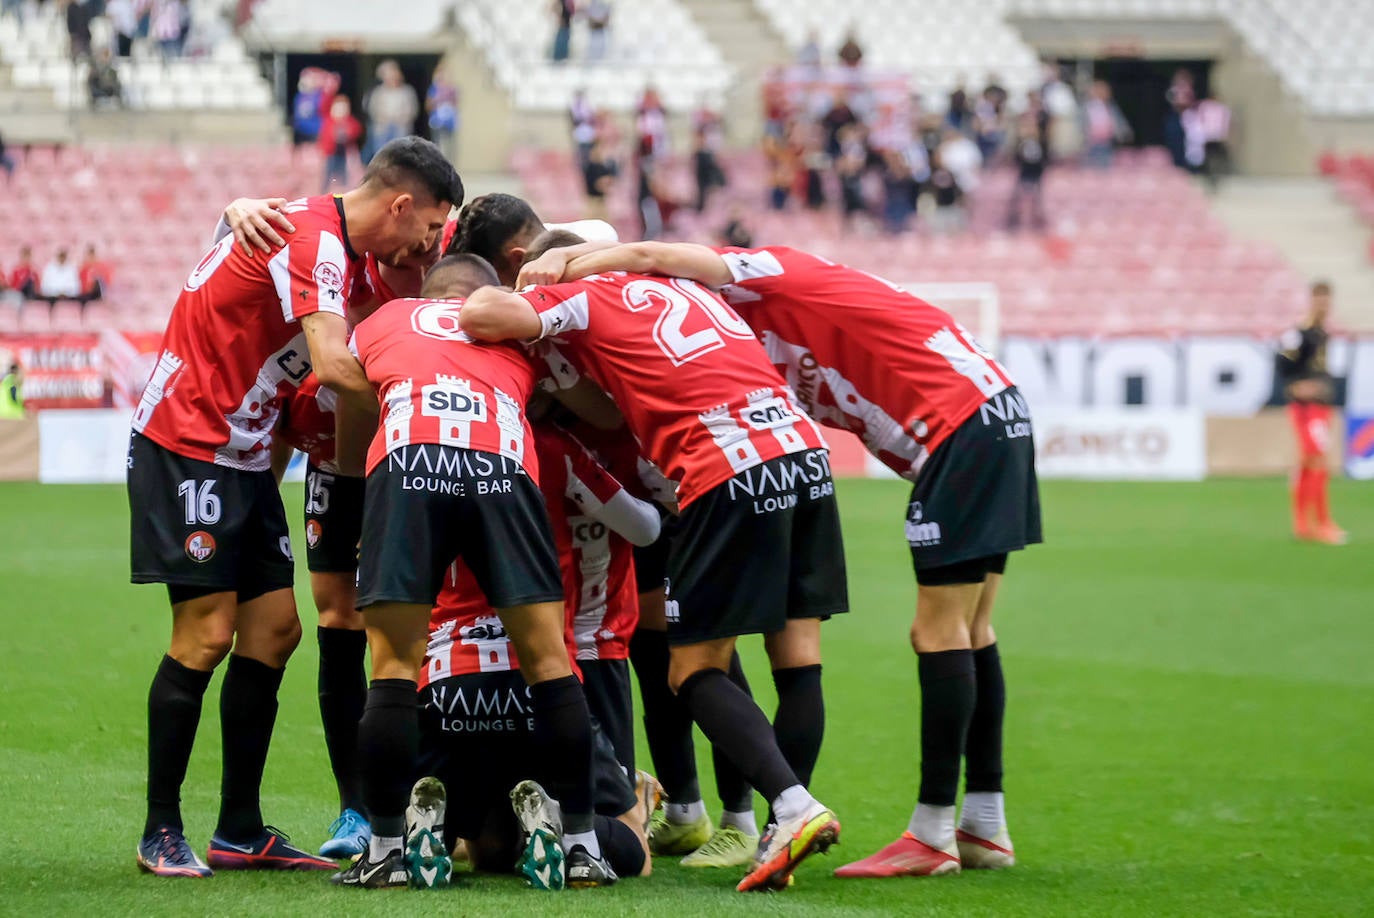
(948, 695)
(667, 723)
(736, 796)
(983, 748)
(247, 713)
(343, 693)
(563, 734)
(620, 846)
(174, 701)
(388, 744)
(731, 720)
(800, 719)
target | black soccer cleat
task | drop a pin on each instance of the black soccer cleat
(368, 874)
(585, 871)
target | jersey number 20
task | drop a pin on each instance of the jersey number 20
(674, 300)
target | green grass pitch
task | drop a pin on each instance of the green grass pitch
(1189, 726)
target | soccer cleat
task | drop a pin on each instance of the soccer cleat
(541, 823)
(1330, 534)
(427, 860)
(348, 836)
(908, 856)
(787, 845)
(650, 795)
(727, 847)
(270, 851)
(977, 853)
(677, 838)
(166, 853)
(388, 873)
(585, 871)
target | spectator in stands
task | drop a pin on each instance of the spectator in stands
(582, 118)
(24, 279)
(782, 172)
(60, 279)
(957, 112)
(1103, 126)
(1030, 158)
(994, 92)
(736, 232)
(851, 54)
(1056, 110)
(900, 192)
(597, 14)
(94, 277)
(960, 156)
(1206, 132)
(836, 119)
(339, 135)
(103, 82)
(6, 160)
(562, 36)
(123, 16)
(651, 128)
(1180, 96)
(309, 107)
(988, 125)
(813, 161)
(171, 21)
(809, 54)
(599, 171)
(850, 166)
(391, 108)
(948, 215)
(441, 104)
(79, 15)
(708, 136)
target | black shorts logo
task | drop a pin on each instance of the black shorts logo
(313, 532)
(200, 546)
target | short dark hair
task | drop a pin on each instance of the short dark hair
(551, 239)
(456, 276)
(489, 222)
(1321, 287)
(416, 164)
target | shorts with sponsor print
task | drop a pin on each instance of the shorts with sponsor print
(198, 524)
(477, 736)
(757, 550)
(333, 520)
(977, 495)
(427, 504)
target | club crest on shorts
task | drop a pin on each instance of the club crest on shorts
(200, 546)
(313, 532)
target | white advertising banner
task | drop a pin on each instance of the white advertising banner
(82, 447)
(1120, 444)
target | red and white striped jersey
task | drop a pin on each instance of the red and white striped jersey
(861, 353)
(234, 338)
(695, 386)
(465, 634)
(599, 591)
(436, 385)
(307, 421)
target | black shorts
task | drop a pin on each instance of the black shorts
(607, 686)
(977, 496)
(197, 524)
(477, 736)
(333, 520)
(426, 505)
(761, 548)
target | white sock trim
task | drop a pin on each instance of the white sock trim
(684, 813)
(933, 825)
(379, 846)
(585, 839)
(743, 821)
(792, 803)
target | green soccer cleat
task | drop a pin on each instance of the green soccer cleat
(542, 862)
(677, 838)
(727, 847)
(428, 865)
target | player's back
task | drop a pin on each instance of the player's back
(862, 353)
(438, 386)
(694, 384)
(234, 338)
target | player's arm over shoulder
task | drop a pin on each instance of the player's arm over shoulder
(671, 259)
(494, 314)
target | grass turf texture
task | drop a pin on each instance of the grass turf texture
(1188, 727)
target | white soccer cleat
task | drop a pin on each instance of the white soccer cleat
(978, 853)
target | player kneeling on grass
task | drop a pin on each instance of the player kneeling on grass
(865, 356)
(757, 549)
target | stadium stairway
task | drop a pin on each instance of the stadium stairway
(1319, 235)
(749, 43)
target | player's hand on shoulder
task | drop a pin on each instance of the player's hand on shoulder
(546, 269)
(255, 222)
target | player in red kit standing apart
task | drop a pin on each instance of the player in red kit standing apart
(865, 356)
(206, 517)
(451, 473)
(1309, 389)
(757, 549)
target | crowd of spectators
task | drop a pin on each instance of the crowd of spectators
(60, 279)
(595, 16)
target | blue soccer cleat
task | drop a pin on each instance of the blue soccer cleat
(348, 836)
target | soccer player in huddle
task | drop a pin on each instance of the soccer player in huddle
(865, 356)
(477, 715)
(451, 470)
(206, 516)
(1309, 389)
(757, 548)
(501, 228)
